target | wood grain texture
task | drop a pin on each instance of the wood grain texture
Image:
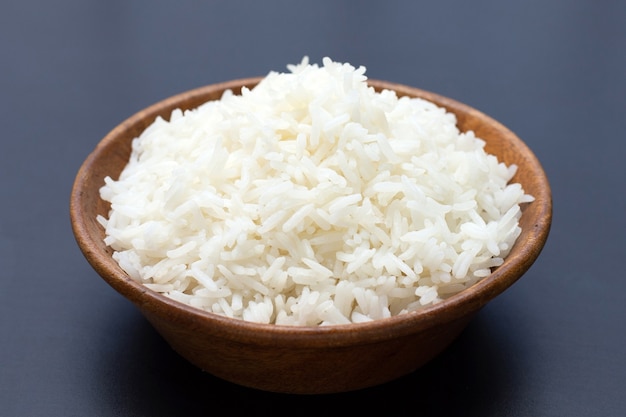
(308, 360)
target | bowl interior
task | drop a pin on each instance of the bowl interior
(112, 153)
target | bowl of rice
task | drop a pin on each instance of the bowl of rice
(310, 231)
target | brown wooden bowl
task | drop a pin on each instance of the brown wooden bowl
(308, 360)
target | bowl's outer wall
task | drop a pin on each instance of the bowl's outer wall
(307, 370)
(307, 360)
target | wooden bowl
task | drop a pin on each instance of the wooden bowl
(308, 360)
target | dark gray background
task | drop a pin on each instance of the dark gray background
(552, 71)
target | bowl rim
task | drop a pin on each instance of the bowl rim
(453, 308)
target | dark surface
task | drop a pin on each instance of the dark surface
(554, 72)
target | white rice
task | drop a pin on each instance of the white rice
(311, 200)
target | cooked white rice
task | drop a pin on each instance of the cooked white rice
(311, 199)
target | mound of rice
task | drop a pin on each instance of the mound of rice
(311, 199)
